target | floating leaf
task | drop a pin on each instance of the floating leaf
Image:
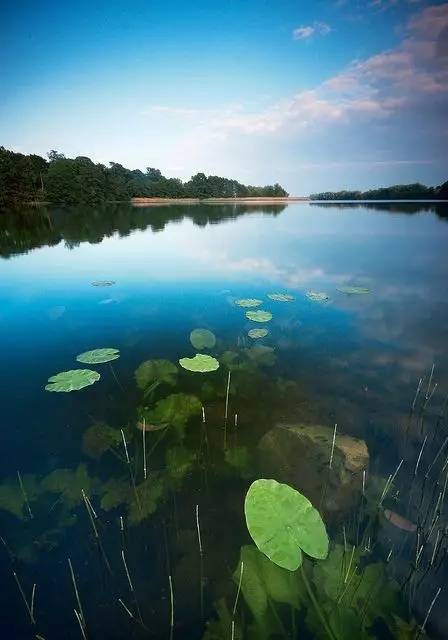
(201, 363)
(155, 371)
(248, 302)
(281, 297)
(175, 410)
(98, 356)
(259, 315)
(283, 523)
(262, 355)
(202, 339)
(317, 296)
(99, 438)
(257, 333)
(103, 283)
(72, 380)
(353, 291)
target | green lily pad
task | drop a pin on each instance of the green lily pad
(201, 363)
(98, 356)
(257, 333)
(283, 523)
(281, 297)
(353, 291)
(259, 315)
(248, 302)
(317, 296)
(72, 380)
(155, 371)
(202, 339)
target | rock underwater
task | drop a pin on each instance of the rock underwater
(298, 454)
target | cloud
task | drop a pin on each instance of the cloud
(306, 32)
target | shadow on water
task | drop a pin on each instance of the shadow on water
(124, 501)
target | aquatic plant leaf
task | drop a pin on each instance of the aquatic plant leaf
(248, 302)
(175, 410)
(179, 461)
(218, 629)
(98, 356)
(103, 283)
(317, 296)
(99, 438)
(12, 499)
(202, 339)
(283, 523)
(259, 315)
(262, 355)
(201, 363)
(257, 333)
(69, 484)
(149, 494)
(281, 297)
(353, 291)
(115, 492)
(72, 380)
(155, 371)
(240, 459)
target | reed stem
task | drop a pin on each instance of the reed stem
(22, 593)
(25, 497)
(172, 606)
(75, 588)
(201, 561)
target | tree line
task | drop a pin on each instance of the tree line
(415, 191)
(31, 178)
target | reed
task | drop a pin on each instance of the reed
(131, 475)
(25, 497)
(81, 627)
(93, 516)
(323, 494)
(24, 598)
(433, 601)
(236, 600)
(75, 588)
(131, 585)
(116, 378)
(226, 412)
(198, 527)
(172, 607)
(144, 448)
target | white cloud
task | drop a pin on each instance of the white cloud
(307, 31)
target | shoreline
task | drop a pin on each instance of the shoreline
(144, 202)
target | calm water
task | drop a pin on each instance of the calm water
(354, 360)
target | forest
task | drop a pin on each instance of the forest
(61, 180)
(415, 191)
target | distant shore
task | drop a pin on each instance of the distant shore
(145, 202)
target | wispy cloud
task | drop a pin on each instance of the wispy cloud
(308, 31)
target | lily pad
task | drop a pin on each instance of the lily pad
(259, 316)
(281, 297)
(257, 333)
(354, 291)
(99, 438)
(72, 380)
(202, 339)
(248, 302)
(155, 371)
(98, 356)
(201, 363)
(283, 523)
(317, 296)
(103, 283)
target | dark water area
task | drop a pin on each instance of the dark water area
(372, 360)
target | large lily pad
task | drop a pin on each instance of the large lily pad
(201, 363)
(259, 315)
(248, 302)
(72, 380)
(202, 339)
(155, 371)
(281, 297)
(257, 333)
(283, 523)
(98, 356)
(317, 296)
(354, 291)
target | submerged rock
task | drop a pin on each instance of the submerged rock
(299, 455)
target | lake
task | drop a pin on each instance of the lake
(140, 478)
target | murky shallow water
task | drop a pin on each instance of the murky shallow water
(354, 360)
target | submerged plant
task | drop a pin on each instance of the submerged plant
(174, 410)
(352, 291)
(99, 438)
(202, 339)
(201, 363)
(149, 492)
(283, 524)
(72, 380)
(257, 333)
(281, 297)
(259, 315)
(261, 355)
(317, 296)
(248, 302)
(98, 356)
(155, 372)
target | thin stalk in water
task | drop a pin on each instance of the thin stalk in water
(116, 378)
(131, 475)
(236, 600)
(172, 607)
(316, 605)
(75, 588)
(131, 586)
(25, 497)
(144, 448)
(422, 628)
(198, 527)
(226, 410)
(22, 593)
(78, 618)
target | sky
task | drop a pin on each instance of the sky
(323, 95)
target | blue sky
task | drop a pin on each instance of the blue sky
(315, 95)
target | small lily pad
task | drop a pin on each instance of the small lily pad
(202, 339)
(248, 302)
(72, 380)
(317, 296)
(98, 356)
(281, 297)
(283, 523)
(257, 333)
(354, 291)
(103, 283)
(259, 315)
(201, 363)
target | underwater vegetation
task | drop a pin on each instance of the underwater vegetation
(202, 339)
(257, 333)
